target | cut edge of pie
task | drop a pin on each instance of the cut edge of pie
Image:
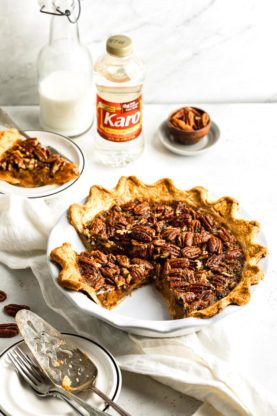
(70, 276)
(136, 272)
(60, 170)
(225, 210)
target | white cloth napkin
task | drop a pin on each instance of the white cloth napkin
(204, 365)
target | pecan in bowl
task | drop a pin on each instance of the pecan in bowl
(188, 125)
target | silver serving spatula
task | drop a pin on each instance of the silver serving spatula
(63, 362)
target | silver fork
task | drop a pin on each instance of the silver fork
(34, 376)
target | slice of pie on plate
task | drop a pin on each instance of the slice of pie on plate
(198, 253)
(27, 163)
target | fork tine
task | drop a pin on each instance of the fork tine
(21, 369)
(20, 356)
(30, 364)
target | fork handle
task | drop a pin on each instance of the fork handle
(115, 406)
(84, 409)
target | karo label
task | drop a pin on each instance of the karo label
(119, 122)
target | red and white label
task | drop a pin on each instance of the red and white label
(119, 122)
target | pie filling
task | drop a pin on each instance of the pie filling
(193, 259)
(27, 163)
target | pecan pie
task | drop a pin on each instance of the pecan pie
(198, 254)
(25, 162)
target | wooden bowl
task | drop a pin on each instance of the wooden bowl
(187, 137)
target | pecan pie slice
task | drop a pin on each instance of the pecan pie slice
(26, 163)
(203, 256)
(106, 278)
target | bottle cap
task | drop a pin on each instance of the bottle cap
(119, 45)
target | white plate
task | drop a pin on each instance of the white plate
(18, 399)
(202, 146)
(150, 320)
(66, 147)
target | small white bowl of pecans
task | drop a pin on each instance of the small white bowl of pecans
(188, 125)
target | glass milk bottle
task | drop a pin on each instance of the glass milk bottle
(119, 76)
(65, 81)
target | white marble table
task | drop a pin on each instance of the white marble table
(243, 165)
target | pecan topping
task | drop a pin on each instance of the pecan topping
(8, 330)
(13, 308)
(3, 296)
(184, 248)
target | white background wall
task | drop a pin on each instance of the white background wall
(194, 50)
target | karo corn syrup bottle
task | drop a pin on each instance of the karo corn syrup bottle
(119, 76)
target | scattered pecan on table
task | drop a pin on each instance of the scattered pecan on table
(8, 330)
(13, 308)
(3, 296)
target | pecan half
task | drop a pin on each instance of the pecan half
(171, 233)
(13, 308)
(187, 239)
(179, 263)
(3, 296)
(142, 209)
(8, 330)
(234, 254)
(191, 252)
(141, 233)
(207, 222)
(214, 260)
(225, 235)
(200, 238)
(215, 245)
(169, 250)
(195, 226)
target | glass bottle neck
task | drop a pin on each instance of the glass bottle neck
(62, 29)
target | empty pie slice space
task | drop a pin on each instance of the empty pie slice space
(26, 163)
(198, 253)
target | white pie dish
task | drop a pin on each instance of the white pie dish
(67, 148)
(144, 312)
(17, 399)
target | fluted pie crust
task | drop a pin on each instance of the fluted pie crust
(26, 163)
(230, 231)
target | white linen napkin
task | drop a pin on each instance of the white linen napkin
(204, 365)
